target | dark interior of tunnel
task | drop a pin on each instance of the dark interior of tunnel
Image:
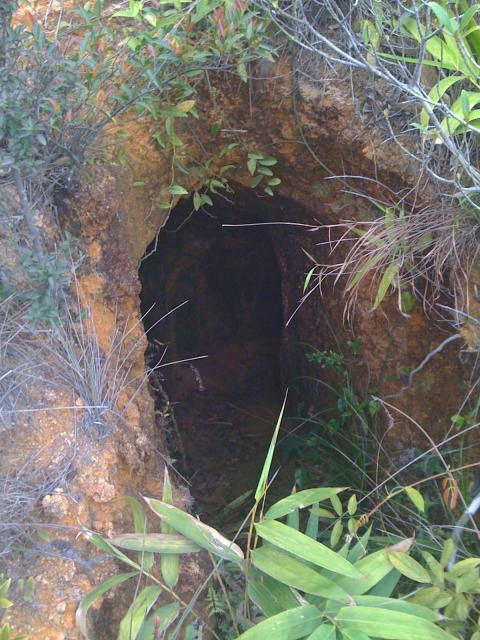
(217, 288)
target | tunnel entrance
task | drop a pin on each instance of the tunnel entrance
(219, 291)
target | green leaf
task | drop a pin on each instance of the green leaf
(263, 481)
(105, 546)
(265, 171)
(197, 201)
(352, 505)
(186, 106)
(374, 567)
(336, 533)
(336, 504)
(311, 530)
(468, 15)
(169, 564)
(324, 632)
(431, 597)
(164, 616)
(256, 181)
(252, 165)
(304, 547)
(194, 530)
(395, 604)
(177, 190)
(269, 161)
(390, 625)
(140, 526)
(408, 566)
(268, 191)
(274, 182)
(155, 543)
(268, 594)
(90, 598)
(242, 72)
(308, 278)
(133, 620)
(442, 16)
(387, 279)
(289, 625)
(447, 552)
(300, 500)
(293, 573)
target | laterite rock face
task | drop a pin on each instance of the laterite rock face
(118, 219)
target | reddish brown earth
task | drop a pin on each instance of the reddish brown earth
(118, 221)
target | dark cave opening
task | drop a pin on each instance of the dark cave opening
(212, 303)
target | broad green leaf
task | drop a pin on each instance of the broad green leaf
(395, 604)
(104, 545)
(269, 161)
(323, 513)
(336, 504)
(374, 567)
(268, 594)
(324, 632)
(437, 92)
(252, 165)
(311, 529)
(293, 519)
(194, 530)
(289, 625)
(140, 525)
(304, 547)
(89, 599)
(336, 533)
(390, 625)
(408, 566)
(186, 106)
(359, 550)
(169, 564)
(133, 620)
(387, 585)
(442, 16)
(167, 543)
(300, 500)
(177, 190)
(463, 566)
(431, 597)
(348, 634)
(416, 497)
(386, 281)
(256, 181)
(163, 617)
(295, 574)
(352, 505)
(263, 481)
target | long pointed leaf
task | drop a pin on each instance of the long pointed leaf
(289, 625)
(300, 500)
(295, 574)
(304, 547)
(263, 481)
(194, 530)
(390, 625)
(167, 543)
(169, 564)
(135, 617)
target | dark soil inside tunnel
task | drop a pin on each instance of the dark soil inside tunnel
(215, 300)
